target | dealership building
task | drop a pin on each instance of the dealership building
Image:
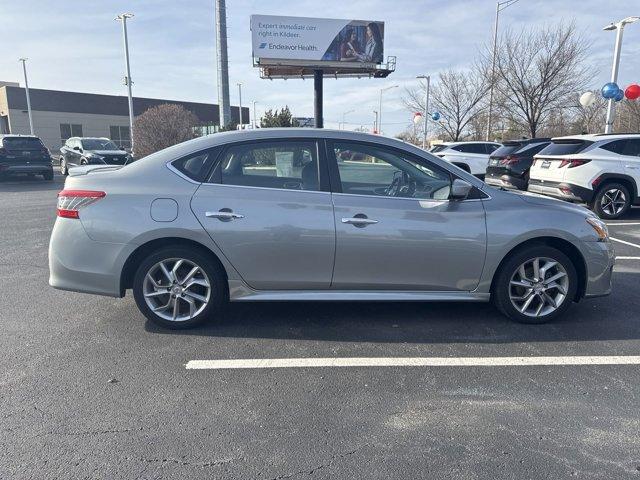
(58, 115)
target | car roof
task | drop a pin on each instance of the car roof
(595, 137)
(17, 135)
(524, 141)
(90, 138)
(451, 144)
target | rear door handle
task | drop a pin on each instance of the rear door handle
(224, 215)
(359, 221)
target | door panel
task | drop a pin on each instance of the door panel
(416, 244)
(396, 228)
(268, 215)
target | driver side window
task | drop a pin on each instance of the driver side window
(373, 170)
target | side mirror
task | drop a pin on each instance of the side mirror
(76, 148)
(460, 189)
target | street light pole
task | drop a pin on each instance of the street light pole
(380, 107)
(240, 104)
(499, 7)
(26, 90)
(375, 122)
(255, 123)
(619, 27)
(425, 115)
(344, 114)
(127, 80)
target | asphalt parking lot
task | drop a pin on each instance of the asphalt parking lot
(89, 389)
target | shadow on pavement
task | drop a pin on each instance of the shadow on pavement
(609, 318)
(23, 183)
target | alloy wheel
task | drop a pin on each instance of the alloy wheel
(176, 289)
(613, 201)
(538, 287)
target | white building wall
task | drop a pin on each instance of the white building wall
(46, 125)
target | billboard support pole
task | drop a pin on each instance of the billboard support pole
(317, 98)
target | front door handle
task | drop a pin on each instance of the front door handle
(224, 215)
(359, 221)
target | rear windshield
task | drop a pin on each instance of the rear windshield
(565, 147)
(20, 143)
(531, 148)
(505, 150)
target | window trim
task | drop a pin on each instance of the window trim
(215, 175)
(336, 183)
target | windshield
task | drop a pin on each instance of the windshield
(98, 144)
(22, 143)
(565, 147)
(438, 148)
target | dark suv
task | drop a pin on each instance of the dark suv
(91, 151)
(24, 154)
(509, 165)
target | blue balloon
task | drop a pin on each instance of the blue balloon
(619, 95)
(610, 90)
(435, 116)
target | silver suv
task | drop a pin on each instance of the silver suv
(309, 214)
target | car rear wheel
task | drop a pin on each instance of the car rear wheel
(536, 285)
(178, 288)
(612, 201)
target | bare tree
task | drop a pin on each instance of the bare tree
(163, 126)
(538, 73)
(456, 95)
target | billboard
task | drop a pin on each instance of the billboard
(317, 40)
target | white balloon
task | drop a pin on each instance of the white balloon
(417, 118)
(587, 99)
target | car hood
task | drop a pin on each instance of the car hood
(541, 200)
(107, 152)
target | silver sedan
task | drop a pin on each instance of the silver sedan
(306, 214)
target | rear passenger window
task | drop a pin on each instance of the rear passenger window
(617, 146)
(290, 165)
(632, 149)
(197, 165)
(470, 148)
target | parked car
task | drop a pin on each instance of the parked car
(393, 223)
(509, 165)
(601, 170)
(472, 157)
(90, 151)
(24, 154)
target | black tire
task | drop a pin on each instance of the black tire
(611, 213)
(213, 271)
(48, 176)
(501, 289)
(84, 161)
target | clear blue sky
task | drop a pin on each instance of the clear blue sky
(76, 45)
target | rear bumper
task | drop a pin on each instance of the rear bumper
(565, 191)
(15, 169)
(600, 259)
(80, 264)
(505, 181)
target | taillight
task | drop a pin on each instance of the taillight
(71, 201)
(573, 163)
(508, 160)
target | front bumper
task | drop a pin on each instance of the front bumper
(564, 191)
(80, 264)
(600, 259)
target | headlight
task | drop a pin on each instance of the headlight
(600, 227)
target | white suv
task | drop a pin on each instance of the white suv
(472, 157)
(601, 170)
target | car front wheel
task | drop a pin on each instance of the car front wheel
(535, 285)
(178, 288)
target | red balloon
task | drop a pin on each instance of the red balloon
(632, 92)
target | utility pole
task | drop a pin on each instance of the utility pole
(222, 60)
(619, 27)
(375, 122)
(380, 107)
(499, 7)
(425, 114)
(26, 90)
(240, 104)
(255, 121)
(344, 114)
(127, 80)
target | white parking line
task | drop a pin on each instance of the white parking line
(627, 258)
(622, 224)
(625, 242)
(261, 363)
